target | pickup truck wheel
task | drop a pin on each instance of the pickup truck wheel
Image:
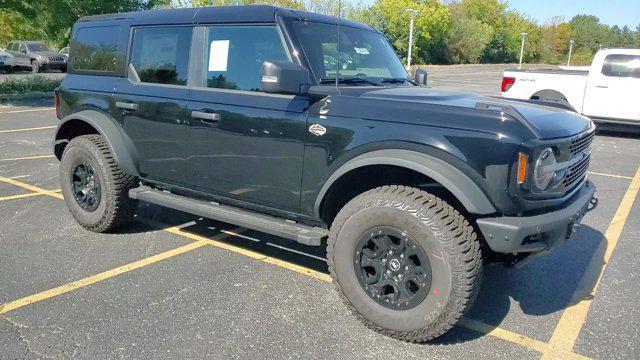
(404, 261)
(94, 187)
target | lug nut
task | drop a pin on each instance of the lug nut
(401, 256)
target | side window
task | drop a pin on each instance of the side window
(234, 55)
(160, 55)
(11, 47)
(23, 48)
(622, 66)
(95, 49)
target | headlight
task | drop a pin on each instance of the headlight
(544, 170)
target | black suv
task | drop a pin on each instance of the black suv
(308, 127)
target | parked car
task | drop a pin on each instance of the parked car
(37, 56)
(607, 91)
(242, 114)
(7, 61)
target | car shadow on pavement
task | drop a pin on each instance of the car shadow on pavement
(542, 285)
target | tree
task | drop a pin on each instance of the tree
(467, 37)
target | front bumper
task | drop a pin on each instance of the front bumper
(527, 234)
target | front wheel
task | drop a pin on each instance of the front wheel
(406, 262)
(95, 189)
(35, 67)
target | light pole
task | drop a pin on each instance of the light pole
(522, 49)
(413, 12)
(570, 50)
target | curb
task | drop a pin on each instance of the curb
(27, 96)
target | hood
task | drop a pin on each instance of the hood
(46, 54)
(546, 122)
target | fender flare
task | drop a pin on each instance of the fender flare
(453, 179)
(121, 147)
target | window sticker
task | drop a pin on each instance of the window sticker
(362, 51)
(218, 55)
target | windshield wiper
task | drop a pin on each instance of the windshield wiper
(397, 81)
(349, 81)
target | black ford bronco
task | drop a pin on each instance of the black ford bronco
(308, 127)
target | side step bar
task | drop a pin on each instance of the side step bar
(271, 225)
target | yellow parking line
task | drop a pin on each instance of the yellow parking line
(568, 329)
(29, 158)
(28, 129)
(201, 240)
(99, 277)
(610, 175)
(28, 110)
(503, 334)
(31, 187)
(20, 196)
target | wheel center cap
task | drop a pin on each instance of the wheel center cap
(394, 264)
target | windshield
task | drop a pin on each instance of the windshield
(38, 47)
(365, 55)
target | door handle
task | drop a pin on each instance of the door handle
(602, 86)
(205, 117)
(126, 106)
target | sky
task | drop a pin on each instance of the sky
(610, 12)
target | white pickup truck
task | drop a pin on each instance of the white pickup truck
(608, 91)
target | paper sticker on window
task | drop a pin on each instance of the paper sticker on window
(218, 55)
(363, 51)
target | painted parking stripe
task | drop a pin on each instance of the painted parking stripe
(31, 187)
(63, 289)
(469, 323)
(610, 175)
(29, 158)
(573, 318)
(20, 196)
(29, 129)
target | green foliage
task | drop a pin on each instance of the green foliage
(463, 31)
(30, 84)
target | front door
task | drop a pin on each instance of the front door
(245, 144)
(613, 92)
(151, 102)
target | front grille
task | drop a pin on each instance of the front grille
(576, 173)
(581, 143)
(56, 58)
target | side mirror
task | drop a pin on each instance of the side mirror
(284, 78)
(420, 76)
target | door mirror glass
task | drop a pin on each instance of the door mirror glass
(420, 76)
(284, 78)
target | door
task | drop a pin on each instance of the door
(151, 102)
(613, 93)
(19, 51)
(245, 144)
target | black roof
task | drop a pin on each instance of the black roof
(218, 14)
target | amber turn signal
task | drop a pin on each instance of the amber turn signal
(522, 168)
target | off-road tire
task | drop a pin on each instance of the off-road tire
(437, 227)
(115, 207)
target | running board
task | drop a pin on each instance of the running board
(268, 224)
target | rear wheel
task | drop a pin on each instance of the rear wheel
(94, 187)
(406, 262)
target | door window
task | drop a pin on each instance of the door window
(622, 66)
(23, 48)
(95, 49)
(234, 55)
(160, 55)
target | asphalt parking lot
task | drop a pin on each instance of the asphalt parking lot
(172, 285)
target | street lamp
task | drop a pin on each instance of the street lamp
(570, 50)
(413, 12)
(522, 49)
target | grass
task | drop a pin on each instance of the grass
(29, 85)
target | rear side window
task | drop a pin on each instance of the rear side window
(160, 55)
(234, 55)
(94, 50)
(622, 66)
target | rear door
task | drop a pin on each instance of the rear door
(245, 144)
(613, 92)
(151, 101)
